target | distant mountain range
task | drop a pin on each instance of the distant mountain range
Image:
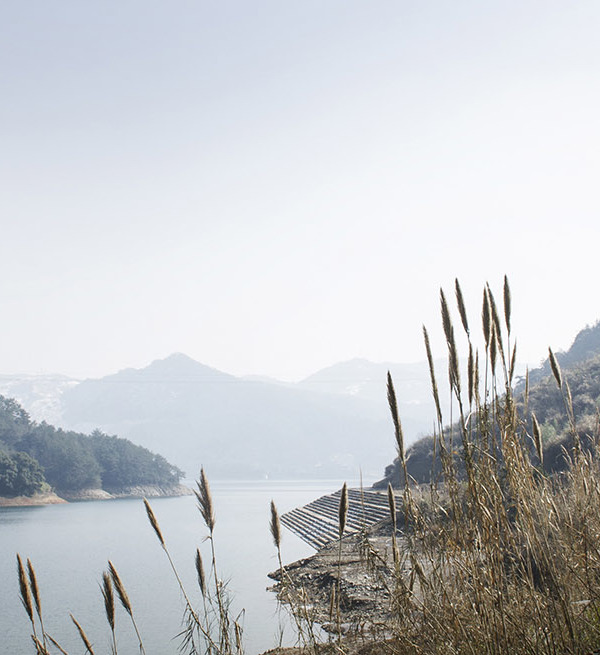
(39, 394)
(334, 423)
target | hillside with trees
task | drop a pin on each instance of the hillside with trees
(581, 369)
(34, 456)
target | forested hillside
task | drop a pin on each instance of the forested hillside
(32, 455)
(580, 367)
(586, 345)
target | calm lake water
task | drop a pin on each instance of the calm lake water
(69, 546)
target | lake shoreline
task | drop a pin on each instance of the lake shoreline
(37, 500)
(365, 579)
(52, 498)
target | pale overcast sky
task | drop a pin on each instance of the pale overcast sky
(274, 186)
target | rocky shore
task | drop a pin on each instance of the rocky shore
(365, 579)
(36, 500)
(51, 498)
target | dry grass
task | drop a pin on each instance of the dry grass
(509, 561)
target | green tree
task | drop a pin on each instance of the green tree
(68, 461)
(20, 475)
(14, 421)
(123, 464)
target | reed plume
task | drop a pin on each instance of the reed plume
(275, 526)
(34, 588)
(35, 591)
(24, 589)
(393, 405)
(118, 584)
(125, 602)
(486, 318)
(493, 348)
(83, 636)
(392, 506)
(498, 330)
(205, 503)
(434, 387)
(461, 307)
(343, 510)
(453, 369)
(109, 600)
(200, 573)
(57, 645)
(495, 315)
(507, 304)
(342, 516)
(109, 607)
(154, 523)
(555, 368)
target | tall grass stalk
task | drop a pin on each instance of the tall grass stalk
(125, 602)
(342, 517)
(109, 607)
(205, 506)
(295, 599)
(83, 636)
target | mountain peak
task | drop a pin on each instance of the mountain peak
(181, 365)
(173, 368)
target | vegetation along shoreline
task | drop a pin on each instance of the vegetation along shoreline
(41, 464)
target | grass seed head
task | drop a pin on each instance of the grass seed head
(434, 387)
(393, 404)
(200, 572)
(461, 307)
(555, 368)
(24, 588)
(83, 636)
(343, 509)
(109, 599)
(275, 526)
(119, 586)
(507, 303)
(154, 522)
(486, 315)
(493, 348)
(494, 310)
(453, 371)
(392, 505)
(205, 503)
(34, 587)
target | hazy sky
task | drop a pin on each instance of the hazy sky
(274, 186)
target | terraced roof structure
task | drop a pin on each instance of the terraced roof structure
(317, 523)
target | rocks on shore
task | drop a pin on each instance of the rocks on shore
(50, 498)
(138, 491)
(365, 580)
